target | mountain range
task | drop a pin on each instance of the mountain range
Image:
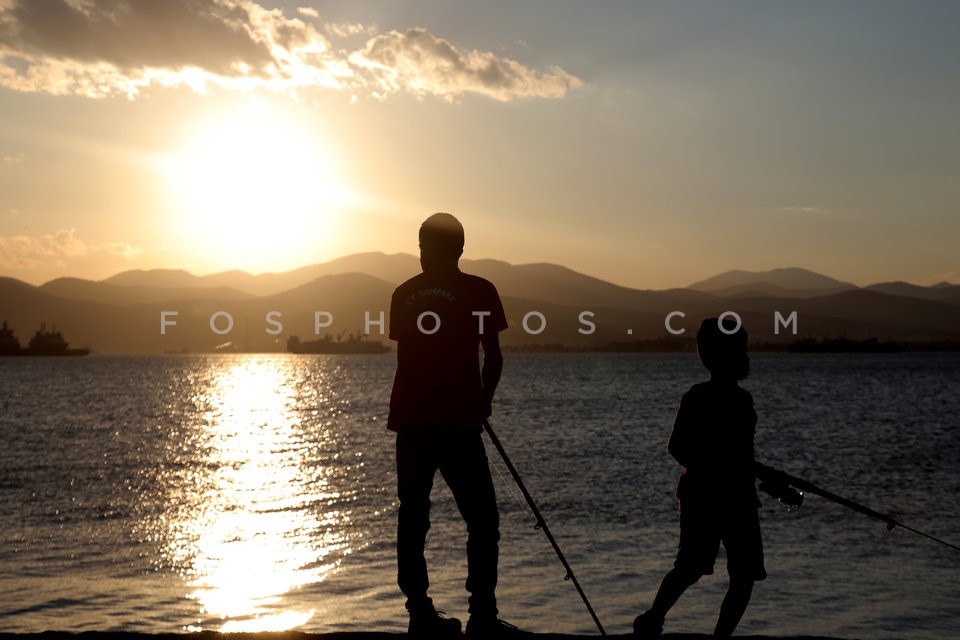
(121, 314)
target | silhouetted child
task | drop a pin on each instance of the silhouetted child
(713, 439)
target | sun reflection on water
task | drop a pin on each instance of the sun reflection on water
(257, 517)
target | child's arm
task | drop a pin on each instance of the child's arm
(684, 445)
(778, 484)
(769, 474)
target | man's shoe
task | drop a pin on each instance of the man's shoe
(493, 627)
(647, 626)
(432, 624)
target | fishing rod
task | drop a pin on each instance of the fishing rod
(542, 524)
(778, 479)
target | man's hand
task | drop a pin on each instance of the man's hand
(487, 409)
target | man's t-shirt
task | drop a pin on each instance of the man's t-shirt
(438, 366)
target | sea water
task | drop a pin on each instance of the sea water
(257, 492)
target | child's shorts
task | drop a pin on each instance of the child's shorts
(702, 529)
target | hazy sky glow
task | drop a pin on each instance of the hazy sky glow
(651, 144)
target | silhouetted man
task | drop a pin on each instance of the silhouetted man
(440, 398)
(713, 439)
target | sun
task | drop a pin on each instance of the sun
(254, 188)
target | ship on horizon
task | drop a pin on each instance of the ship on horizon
(353, 344)
(43, 343)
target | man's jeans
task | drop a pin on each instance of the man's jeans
(458, 453)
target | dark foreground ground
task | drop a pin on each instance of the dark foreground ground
(346, 635)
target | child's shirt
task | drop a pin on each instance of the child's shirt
(713, 439)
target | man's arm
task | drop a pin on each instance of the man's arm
(492, 368)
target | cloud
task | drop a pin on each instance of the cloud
(422, 63)
(99, 48)
(28, 252)
(13, 159)
(349, 29)
(124, 250)
(138, 33)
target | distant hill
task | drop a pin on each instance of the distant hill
(160, 278)
(942, 292)
(79, 289)
(559, 285)
(859, 314)
(792, 281)
(547, 282)
(390, 268)
(122, 314)
(393, 268)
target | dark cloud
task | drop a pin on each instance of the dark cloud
(103, 47)
(134, 34)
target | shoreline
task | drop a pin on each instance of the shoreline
(337, 635)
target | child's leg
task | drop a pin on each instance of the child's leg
(734, 605)
(745, 566)
(671, 588)
(699, 544)
(649, 625)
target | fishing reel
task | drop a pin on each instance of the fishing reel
(789, 496)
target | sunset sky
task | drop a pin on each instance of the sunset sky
(650, 144)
